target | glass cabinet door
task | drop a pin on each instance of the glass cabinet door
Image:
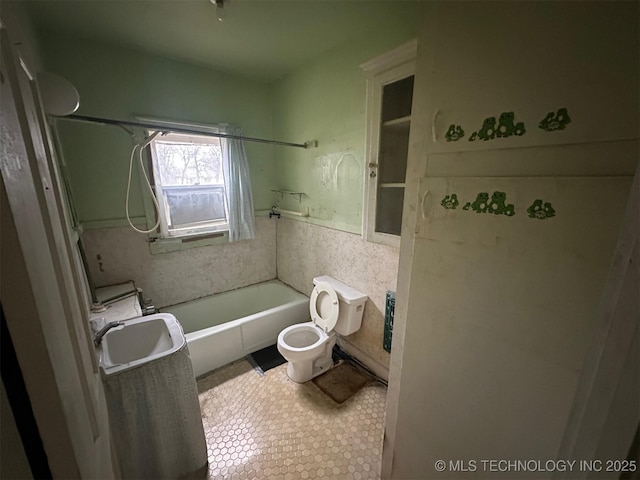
(392, 155)
(390, 94)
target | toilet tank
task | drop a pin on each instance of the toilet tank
(351, 305)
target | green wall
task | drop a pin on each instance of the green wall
(325, 101)
(119, 83)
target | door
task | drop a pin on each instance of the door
(606, 408)
(506, 278)
(42, 292)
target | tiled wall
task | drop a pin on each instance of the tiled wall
(175, 277)
(306, 251)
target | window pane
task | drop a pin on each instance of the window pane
(189, 206)
(394, 150)
(397, 98)
(188, 172)
(189, 160)
(389, 210)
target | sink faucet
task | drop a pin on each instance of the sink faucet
(103, 331)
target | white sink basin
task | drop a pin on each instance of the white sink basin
(138, 341)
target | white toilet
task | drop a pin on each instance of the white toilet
(335, 308)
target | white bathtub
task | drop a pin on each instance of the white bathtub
(227, 326)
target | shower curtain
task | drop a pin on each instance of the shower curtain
(238, 187)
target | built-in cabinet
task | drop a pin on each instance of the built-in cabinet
(389, 98)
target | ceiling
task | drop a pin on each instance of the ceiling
(261, 39)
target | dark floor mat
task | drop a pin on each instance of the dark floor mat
(341, 382)
(265, 359)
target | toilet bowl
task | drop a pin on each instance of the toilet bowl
(335, 308)
(308, 350)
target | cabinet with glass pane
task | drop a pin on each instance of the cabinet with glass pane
(390, 93)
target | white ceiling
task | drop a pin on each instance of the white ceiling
(262, 39)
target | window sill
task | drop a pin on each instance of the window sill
(166, 245)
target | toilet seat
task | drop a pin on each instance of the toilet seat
(329, 306)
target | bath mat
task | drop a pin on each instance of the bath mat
(265, 359)
(341, 382)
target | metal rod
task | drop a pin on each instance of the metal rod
(167, 128)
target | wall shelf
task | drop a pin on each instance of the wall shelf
(289, 192)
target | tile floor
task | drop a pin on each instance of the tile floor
(272, 428)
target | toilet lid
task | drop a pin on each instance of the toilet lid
(324, 306)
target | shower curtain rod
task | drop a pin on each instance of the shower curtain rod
(166, 128)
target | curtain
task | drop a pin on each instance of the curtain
(154, 419)
(238, 187)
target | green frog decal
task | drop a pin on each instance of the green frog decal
(454, 133)
(509, 210)
(488, 130)
(480, 204)
(450, 202)
(555, 121)
(497, 205)
(541, 210)
(506, 126)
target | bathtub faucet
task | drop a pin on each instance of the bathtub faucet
(103, 331)
(274, 212)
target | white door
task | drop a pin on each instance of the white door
(42, 292)
(505, 284)
(606, 409)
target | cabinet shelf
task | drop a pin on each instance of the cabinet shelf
(391, 185)
(402, 121)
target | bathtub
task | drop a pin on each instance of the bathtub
(227, 326)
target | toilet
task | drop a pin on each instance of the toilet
(336, 309)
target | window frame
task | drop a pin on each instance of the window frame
(196, 228)
(157, 243)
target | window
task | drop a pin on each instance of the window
(189, 182)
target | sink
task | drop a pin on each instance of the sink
(138, 341)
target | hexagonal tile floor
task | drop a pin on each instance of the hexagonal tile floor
(273, 428)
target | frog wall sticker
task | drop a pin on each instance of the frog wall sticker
(454, 133)
(450, 202)
(555, 121)
(541, 210)
(509, 210)
(480, 204)
(488, 130)
(506, 126)
(497, 205)
(519, 129)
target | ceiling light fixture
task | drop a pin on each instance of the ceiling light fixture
(219, 8)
